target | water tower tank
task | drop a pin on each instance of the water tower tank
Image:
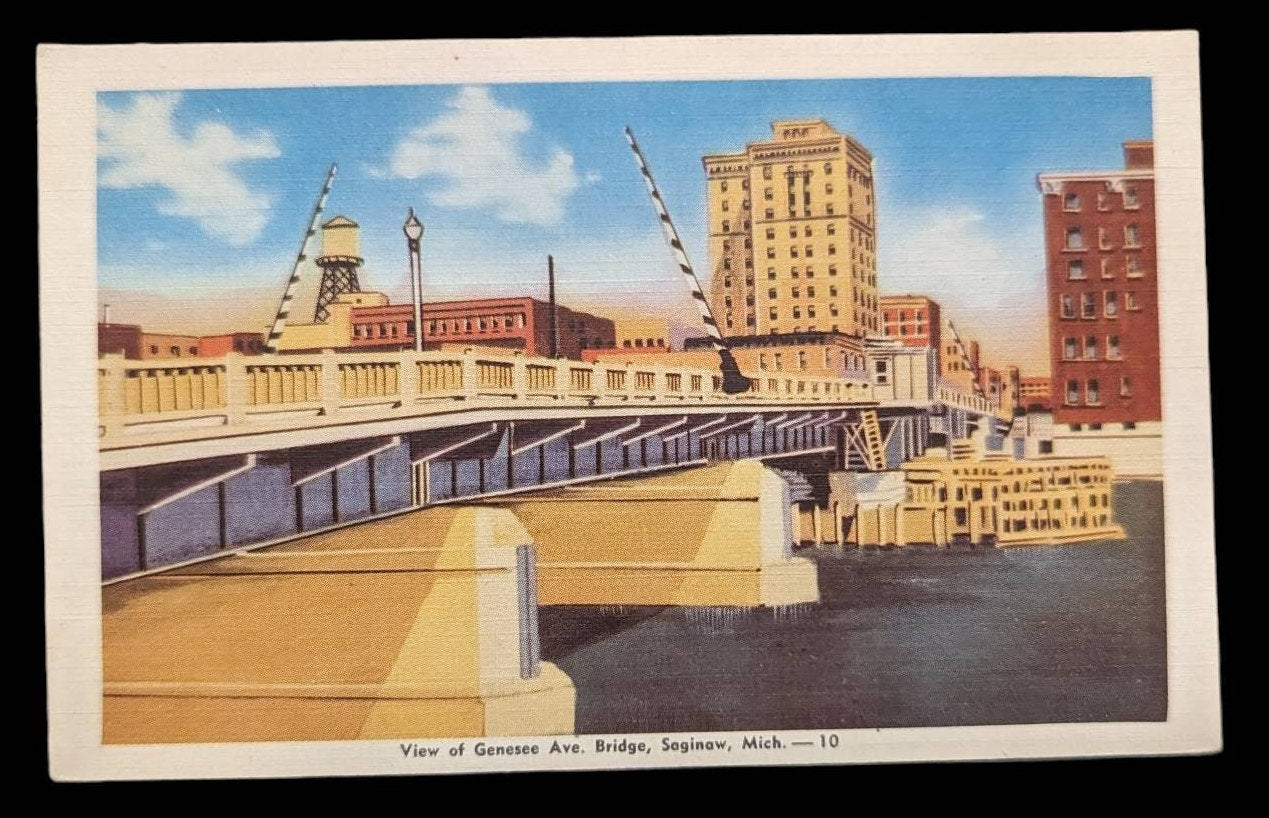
(341, 238)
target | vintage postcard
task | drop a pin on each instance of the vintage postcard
(423, 407)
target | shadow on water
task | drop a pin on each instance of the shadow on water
(901, 637)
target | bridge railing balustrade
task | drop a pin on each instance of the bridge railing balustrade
(184, 400)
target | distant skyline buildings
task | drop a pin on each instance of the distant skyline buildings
(204, 194)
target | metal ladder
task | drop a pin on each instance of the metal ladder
(873, 442)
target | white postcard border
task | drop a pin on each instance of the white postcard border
(69, 77)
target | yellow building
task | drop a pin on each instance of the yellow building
(958, 360)
(988, 499)
(792, 233)
(644, 333)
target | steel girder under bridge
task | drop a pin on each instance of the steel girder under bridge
(170, 513)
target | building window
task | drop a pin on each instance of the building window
(766, 172)
(726, 264)
(1107, 270)
(1088, 305)
(1092, 393)
(797, 292)
(771, 293)
(793, 251)
(832, 269)
(1072, 393)
(1132, 266)
(810, 251)
(1130, 301)
(797, 313)
(771, 273)
(810, 271)
(828, 188)
(726, 205)
(807, 231)
(793, 232)
(1090, 348)
(810, 292)
(726, 226)
(769, 213)
(1129, 425)
(828, 209)
(1071, 202)
(832, 249)
(795, 272)
(770, 252)
(1130, 197)
(772, 314)
(1074, 238)
(770, 233)
(193, 350)
(832, 291)
(1068, 305)
(828, 168)
(1112, 347)
(801, 358)
(176, 351)
(1075, 270)
(767, 194)
(1125, 389)
(831, 229)
(727, 302)
(810, 311)
(1070, 349)
(1103, 201)
(726, 281)
(762, 361)
(1132, 236)
(723, 186)
(1112, 304)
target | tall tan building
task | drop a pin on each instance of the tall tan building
(792, 234)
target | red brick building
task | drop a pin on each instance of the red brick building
(516, 323)
(913, 320)
(1034, 391)
(1103, 292)
(138, 345)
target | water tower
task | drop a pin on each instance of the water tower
(340, 259)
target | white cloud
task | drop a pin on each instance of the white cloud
(476, 148)
(991, 284)
(144, 149)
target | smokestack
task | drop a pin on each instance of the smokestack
(550, 297)
(105, 314)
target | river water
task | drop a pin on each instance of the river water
(902, 637)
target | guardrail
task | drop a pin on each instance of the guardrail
(176, 400)
(972, 403)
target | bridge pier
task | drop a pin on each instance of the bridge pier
(421, 625)
(715, 535)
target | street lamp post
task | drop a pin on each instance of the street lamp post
(413, 234)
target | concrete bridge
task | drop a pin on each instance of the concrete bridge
(355, 545)
(200, 457)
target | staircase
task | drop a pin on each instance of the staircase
(873, 442)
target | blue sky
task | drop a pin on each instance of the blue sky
(204, 195)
